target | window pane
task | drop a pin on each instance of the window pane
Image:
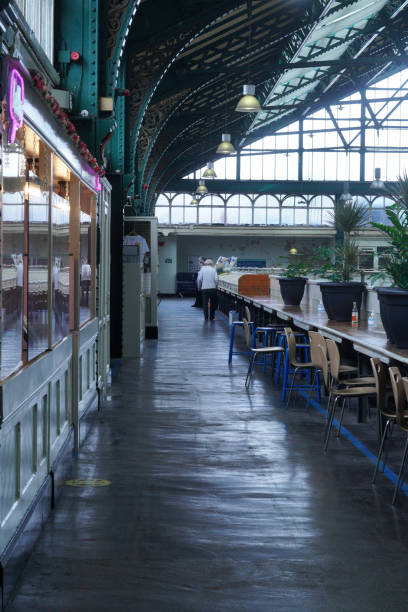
(190, 214)
(272, 216)
(163, 214)
(260, 216)
(60, 273)
(218, 215)
(204, 214)
(232, 215)
(37, 195)
(86, 243)
(177, 214)
(245, 216)
(287, 216)
(14, 171)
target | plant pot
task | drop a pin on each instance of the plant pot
(394, 313)
(338, 299)
(292, 290)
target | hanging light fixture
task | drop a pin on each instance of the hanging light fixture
(248, 103)
(194, 201)
(209, 172)
(225, 147)
(201, 188)
(377, 182)
(346, 195)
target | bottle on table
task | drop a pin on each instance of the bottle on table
(371, 321)
(320, 308)
(354, 315)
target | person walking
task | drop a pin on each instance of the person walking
(207, 281)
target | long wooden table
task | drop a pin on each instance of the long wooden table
(371, 342)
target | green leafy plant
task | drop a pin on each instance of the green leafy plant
(338, 263)
(396, 262)
(297, 265)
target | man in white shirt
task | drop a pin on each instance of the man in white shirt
(132, 238)
(207, 281)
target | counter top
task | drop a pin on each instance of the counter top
(371, 342)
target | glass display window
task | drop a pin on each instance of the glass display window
(12, 253)
(37, 208)
(61, 259)
(87, 239)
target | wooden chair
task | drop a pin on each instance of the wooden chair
(340, 395)
(400, 390)
(253, 351)
(390, 414)
(294, 363)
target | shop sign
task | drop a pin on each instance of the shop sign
(15, 102)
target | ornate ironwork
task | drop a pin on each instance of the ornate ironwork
(115, 10)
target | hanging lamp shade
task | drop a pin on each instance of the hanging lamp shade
(201, 187)
(194, 201)
(248, 103)
(225, 147)
(377, 182)
(346, 195)
(209, 172)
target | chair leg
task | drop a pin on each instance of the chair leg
(380, 451)
(250, 368)
(330, 422)
(278, 366)
(231, 348)
(291, 386)
(397, 486)
(315, 381)
(285, 375)
(341, 417)
(387, 446)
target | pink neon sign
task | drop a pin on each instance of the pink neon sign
(16, 103)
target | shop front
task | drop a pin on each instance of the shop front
(54, 294)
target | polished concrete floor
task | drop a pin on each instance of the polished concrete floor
(219, 499)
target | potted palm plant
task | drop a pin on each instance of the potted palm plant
(292, 284)
(339, 263)
(394, 300)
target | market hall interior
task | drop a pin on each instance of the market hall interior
(218, 498)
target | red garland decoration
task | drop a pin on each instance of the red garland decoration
(64, 120)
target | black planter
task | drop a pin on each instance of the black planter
(394, 314)
(292, 290)
(338, 299)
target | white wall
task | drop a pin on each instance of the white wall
(243, 247)
(175, 250)
(167, 264)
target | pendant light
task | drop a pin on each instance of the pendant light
(209, 172)
(377, 182)
(225, 147)
(346, 195)
(248, 103)
(201, 188)
(194, 201)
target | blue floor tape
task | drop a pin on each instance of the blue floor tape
(360, 446)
